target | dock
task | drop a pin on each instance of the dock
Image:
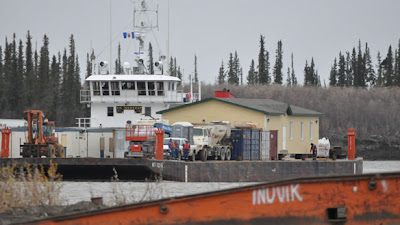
(106, 169)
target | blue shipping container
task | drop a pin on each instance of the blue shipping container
(236, 144)
(255, 145)
(247, 144)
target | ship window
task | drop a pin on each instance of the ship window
(151, 87)
(110, 111)
(128, 85)
(141, 86)
(96, 88)
(114, 88)
(169, 86)
(173, 86)
(160, 88)
(104, 87)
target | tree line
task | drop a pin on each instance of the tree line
(350, 69)
(31, 78)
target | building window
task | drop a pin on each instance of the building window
(110, 111)
(114, 88)
(160, 88)
(96, 88)
(104, 87)
(291, 130)
(128, 85)
(141, 86)
(311, 131)
(301, 131)
(151, 87)
(147, 111)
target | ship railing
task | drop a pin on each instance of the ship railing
(85, 96)
(83, 122)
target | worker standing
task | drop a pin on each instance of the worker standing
(313, 149)
(186, 148)
(176, 149)
(171, 148)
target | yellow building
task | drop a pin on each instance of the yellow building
(297, 127)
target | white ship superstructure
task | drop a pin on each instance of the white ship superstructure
(114, 98)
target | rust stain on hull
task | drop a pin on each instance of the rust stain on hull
(361, 199)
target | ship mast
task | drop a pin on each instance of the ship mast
(141, 26)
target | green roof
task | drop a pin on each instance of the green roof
(266, 106)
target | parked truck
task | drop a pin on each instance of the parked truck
(212, 140)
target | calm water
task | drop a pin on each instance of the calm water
(117, 192)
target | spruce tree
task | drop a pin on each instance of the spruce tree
(30, 79)
(221, 74)
(179, 73)
(278, 65)
(341, 71)
(1, 76)
(262, 73)
(388, 66)
(171, 67)
(151, 60)
(14, 84)
(293, 75)
(349, 72)
(370, 72)
(20, 78)
(118, 66)
(307, 80)
(231, 74)
(236, 69)
(251, 77)
(333, 74)
(397, 66)
(196, 77)
(354, 68)
(175, 68)
(288, 79)
(379, 79)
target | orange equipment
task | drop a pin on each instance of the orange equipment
(5, 142)
(41, 140)
(351, 133)
(159, 143)
(141, 140)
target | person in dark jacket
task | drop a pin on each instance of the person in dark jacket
(313, 150)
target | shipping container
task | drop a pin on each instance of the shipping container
(236, 144)
(246, 144)
(265, 145)
(255, 145)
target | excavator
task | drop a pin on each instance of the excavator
(41, 139)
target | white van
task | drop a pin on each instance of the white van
(181, 142)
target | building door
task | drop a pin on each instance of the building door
(64, 142)
(284, 137)
(273, 141)
(83, 150)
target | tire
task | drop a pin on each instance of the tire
(51, 151)
(203, 154)
(222, 156)
(60, 151)
(193, 158)
(228, 154)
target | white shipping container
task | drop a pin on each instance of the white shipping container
(265, 145)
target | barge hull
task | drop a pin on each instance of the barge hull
(357, 199)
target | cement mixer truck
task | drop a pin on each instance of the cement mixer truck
(212, 140)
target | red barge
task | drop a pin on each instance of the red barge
(356, 199)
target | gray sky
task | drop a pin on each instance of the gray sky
(213, 29)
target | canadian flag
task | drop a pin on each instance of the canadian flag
(189, 96)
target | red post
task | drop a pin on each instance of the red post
(5, 142)
(351, 133)
(159, 144)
